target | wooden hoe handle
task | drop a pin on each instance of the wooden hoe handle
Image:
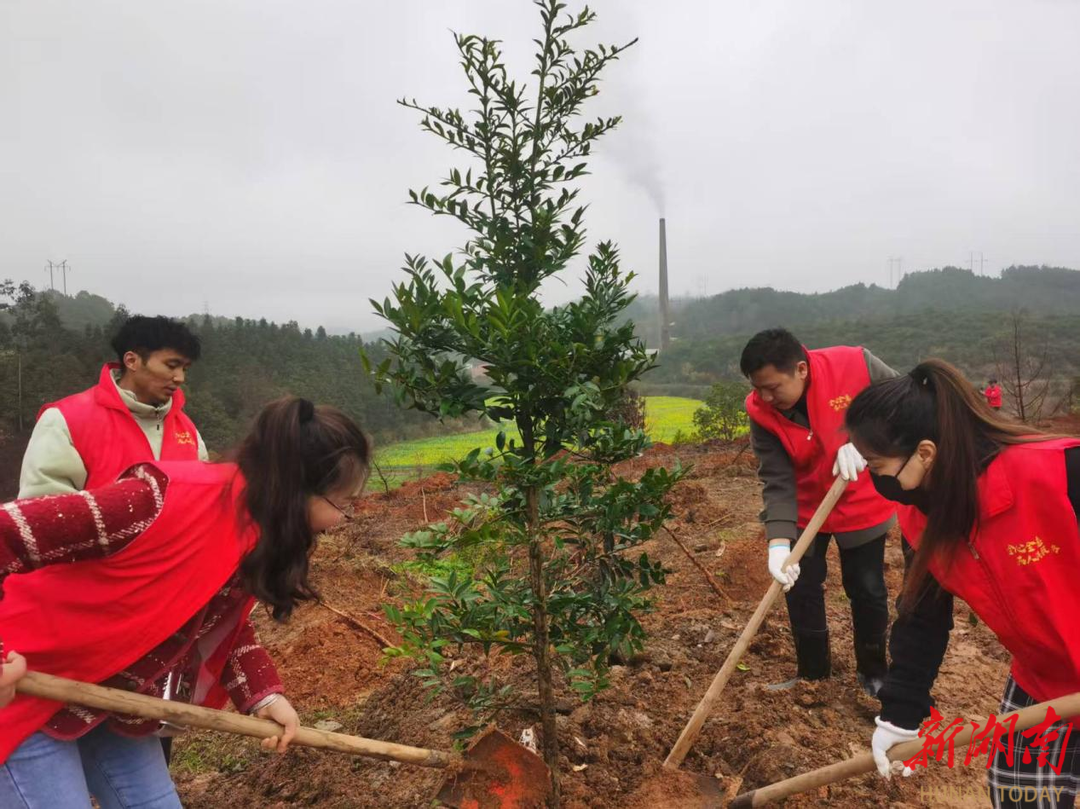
(1066, 707)
(63, 690)
(701, 713)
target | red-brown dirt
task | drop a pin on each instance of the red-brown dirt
(613, 746)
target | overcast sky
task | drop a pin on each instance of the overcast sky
(248, 156)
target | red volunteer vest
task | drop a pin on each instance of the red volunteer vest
(837, 375)
(1018, 571)
(993, 396)
(109, 440)
(92, 619)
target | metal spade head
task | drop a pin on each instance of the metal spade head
(497, 773)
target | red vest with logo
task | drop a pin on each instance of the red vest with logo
(109, 440)
(1020, 569)
(837, 375)
(90, 620)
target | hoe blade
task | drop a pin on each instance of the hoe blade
(497, 773)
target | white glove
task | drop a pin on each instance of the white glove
(777, 554)
(849, 463)
(887, 735)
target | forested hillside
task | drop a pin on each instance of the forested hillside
(53, 345)
(950, 313)
(60, 342)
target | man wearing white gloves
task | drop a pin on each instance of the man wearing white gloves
(796, 414)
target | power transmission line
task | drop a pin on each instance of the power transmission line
(63, 267)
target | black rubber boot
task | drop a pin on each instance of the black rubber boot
(871, 665)
(871, 685)
(812, 652)
(813, 656)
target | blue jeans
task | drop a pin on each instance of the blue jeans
(122, 773)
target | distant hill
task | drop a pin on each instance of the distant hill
(77, 312)
(84, 309)
(1043, 290)
(949, 312)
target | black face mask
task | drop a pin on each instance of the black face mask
(888, 486)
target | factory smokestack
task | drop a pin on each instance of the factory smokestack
(665, 315)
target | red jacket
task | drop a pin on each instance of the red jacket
(993, 396)
(104, 614)
(837, 375)
(107, 437)
(1019, 569)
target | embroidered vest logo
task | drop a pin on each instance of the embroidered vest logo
(840, 403)
(1028, 553)
(185, 438)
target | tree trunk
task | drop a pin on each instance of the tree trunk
(541, 646)
(1018, 360)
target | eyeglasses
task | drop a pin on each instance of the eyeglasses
(348, 512)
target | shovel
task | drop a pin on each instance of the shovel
(496, 773)
(701, 713)
(1066, 707)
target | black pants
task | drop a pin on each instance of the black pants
(862, 573)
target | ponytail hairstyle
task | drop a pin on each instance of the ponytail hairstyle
(935, 403)
(295, 450)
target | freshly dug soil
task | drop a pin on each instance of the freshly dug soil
(612, 747)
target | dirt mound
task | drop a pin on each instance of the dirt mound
(439, 482)
(663, 788)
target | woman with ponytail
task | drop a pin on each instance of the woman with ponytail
(991, 509)
(171, 558)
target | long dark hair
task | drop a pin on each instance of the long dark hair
(934, 402)
(295, 450)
